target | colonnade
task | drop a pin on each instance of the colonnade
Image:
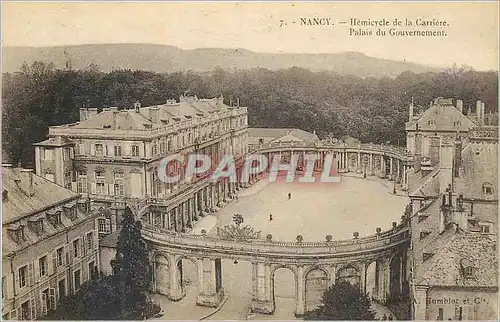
(168, 271)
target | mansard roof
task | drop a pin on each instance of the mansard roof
(280, 134)
(125, 120)
(19, 204)
(454, 248)
(444, 115)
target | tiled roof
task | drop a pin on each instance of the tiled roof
(445, 267)
(480, 166)
(110, 240)
(444, 116)
(17, 204)
(427, 186)
(125, 120)
(57, 141)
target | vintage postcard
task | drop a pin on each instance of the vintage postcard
(250, 160)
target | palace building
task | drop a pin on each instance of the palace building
(113, 156)
(49, 243)
(454, 215)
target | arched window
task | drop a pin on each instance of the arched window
(487, 188)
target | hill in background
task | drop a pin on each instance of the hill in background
(163, 58)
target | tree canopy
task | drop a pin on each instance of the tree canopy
(342, 301)
(370, 109)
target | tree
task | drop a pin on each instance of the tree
(131, 263)
(342, 301)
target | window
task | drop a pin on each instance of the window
(92, 270)
(440, 314)
(456, 123)
(90, 240)
(468, 271)
(424, 234)
(4, 285)
(99, 149)
(487, 189)
(485, 228)
(104, 225)
(47, 154)
(135, 150)
(431, 123)
(42, 265)
(23, 271)
(118, 188)
(76, 247)
(154, 149)
(162, 147)
(118, 151)
(100, 188)
(99, 174)
(59, 257)
(66, 154)
(81, 185)
(78, 281)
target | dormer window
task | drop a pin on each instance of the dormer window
(424, 234)
(70, 212)
(468, 271)
(17, 234)
(485, 227)
(55, 218)
(36, 226)
(488, 189)
(426, 256)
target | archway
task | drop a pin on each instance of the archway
(316, 285)
(350, 274)
(284, 292)
(188, 274)
(161, 276)
(371, 280)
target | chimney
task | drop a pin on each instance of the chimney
(479, 107)
(26, 184)
(411, 112)
(83, 114)
(482, 113)
(91, 112)
(458, 158)
(137, 106)
(114, 112)
(460, 106)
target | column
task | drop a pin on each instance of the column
(358, 167)
(210, 294)
(262, 293)
(362, 279)
(390, 168)
(420, 301)
(371, 164)
(176, 292)
(299, 286)
(161, 276)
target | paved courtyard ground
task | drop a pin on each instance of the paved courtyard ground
(314, 211)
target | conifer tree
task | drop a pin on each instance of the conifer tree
(131, 264)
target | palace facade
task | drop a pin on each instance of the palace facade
(49, 244)
(454, 214)
(113, 156)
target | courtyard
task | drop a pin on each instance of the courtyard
(313, 211)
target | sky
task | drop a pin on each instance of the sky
(472, 34)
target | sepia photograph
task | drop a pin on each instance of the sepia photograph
(245, 160)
